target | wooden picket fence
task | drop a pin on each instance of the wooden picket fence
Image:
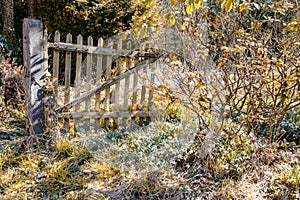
(112, 86)
(107, 96)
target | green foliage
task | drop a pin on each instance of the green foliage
(261, 73)
(233, 152)
(143, 149)
(258, 56)
(290, 126)
(291, 176)
(39, 175)
(174, 113)
(95, 18)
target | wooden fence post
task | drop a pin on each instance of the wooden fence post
(34, 75)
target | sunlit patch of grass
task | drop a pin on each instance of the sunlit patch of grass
(17, 175)
(233, 153)
(11, 119)
(251, 167)
(63, 146)
(69, 148)
(289, 175)
(29, 164)
(101, 170)
(143, 149)
(63, 175)
(6, 176)
(6, 156)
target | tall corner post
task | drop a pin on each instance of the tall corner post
(33, 46)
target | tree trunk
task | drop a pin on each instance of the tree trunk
(8, 32)
(31, 8)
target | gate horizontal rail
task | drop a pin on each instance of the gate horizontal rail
(87, 49)
(115, 114)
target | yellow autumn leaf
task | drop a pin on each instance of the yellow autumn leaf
(223, 3)
(244, 6)
(198, 4)
(189, 9)
(184, 25)
(229, 5)
(172, 20)
(283, 144)
(173, 2)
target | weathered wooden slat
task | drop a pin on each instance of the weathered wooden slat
(56, 63)
(129, 65)
(98, 81)
(89, 59)
(47, 108)
(34, 75)
(134, 89)
(67, 80)
(99, 62)
(78, 77)
(78, 72)
(108, 77)
(87, 49)
(113, 114)
(151, 89)
(116, 91)
(105, 85)
(45, 52)
(143, 91)
(118, 72)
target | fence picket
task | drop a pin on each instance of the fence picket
(67, 80)
(117, 88)
(98, 81)
(143, 92)
(108, 77)
(144, 75)
(89, 59)
(151, 90)
(45, 51)
(126, 87)
(134, 90)
(78, 76)
(56, 63)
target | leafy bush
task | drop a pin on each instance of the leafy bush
(260, 68)
(257, 56)
(14, 92)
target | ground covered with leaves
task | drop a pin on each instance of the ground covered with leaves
(159, 161)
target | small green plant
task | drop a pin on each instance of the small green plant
(232, 152)
(63, 146)
(174, 113)
(102, 170)
(289, 128)
(290, 174)
(7, 156)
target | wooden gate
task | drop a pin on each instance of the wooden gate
(112, 85)
(105, 85)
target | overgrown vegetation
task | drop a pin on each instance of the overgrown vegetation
(157, 161)
(254, 155)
